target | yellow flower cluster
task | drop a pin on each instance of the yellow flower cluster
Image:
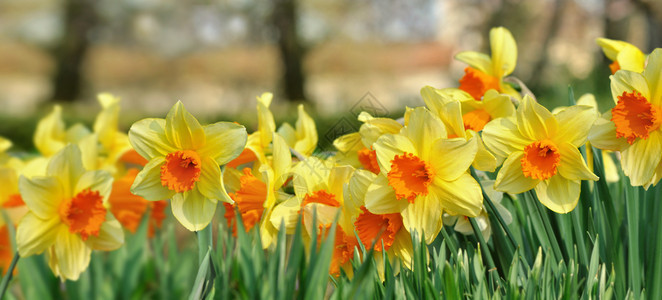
(392, 178)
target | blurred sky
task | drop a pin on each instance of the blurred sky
(217, 55)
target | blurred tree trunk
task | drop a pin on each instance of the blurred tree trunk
(284, 20)
(80, 18)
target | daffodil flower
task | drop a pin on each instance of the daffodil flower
(487, 72)
(184, 159)
(424, 173)
(633, 125)
(541, 152)
(67, 215)
(624, 56)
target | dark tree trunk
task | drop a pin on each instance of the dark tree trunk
(284, 20)
(80, 18)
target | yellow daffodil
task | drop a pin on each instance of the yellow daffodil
(384, 230)
(464, 117)
(184, 159)
(424, 173)
(113, 144)
(258, 142)
(67, 215)
(624, 56)
(541, 152)
(257, 192)
(319, 187)
(633, 125)
(487, 72)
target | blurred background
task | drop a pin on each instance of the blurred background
(217, 55)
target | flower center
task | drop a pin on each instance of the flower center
(614, 66)
(14, 200)
(476, 83)
(476, 119)
(322, 197)
(635, 117)
(540, 160)
(372, 227)
(368, 159)
(249, 200)
(409, 176)
(84, 213)
(181, 170)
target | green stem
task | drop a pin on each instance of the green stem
(486, 251)
(204, 241)
(8, 277)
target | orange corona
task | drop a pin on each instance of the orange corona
(409, 176)
(84, 213)
(181, 170)
(635, 117)
(540, 160)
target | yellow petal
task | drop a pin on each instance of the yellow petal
(4, 144)
(511, 179)
(357, 189)
(380, 198)
(611, 48)
(653, 76)
(148, 138)
(288, 133)
(192, 209)
(640, 160)
(390, 145)
(476, 60)
(67, 166)
(485, 160)
(559, 194)
(626, 82)
(574, 124)
(504, 51)
(49, 136)
(225, 141)
(286, 212)
(111, 235)
(424, 216)
(70, 255)
(34, 235)
(462, 196)
(76, 133)
(282, 160)
(403, 247)
(100, 181)
(502, 137)
(498, 105)
(211, 181)
(602, 134)
(182, 129)
(423, 129)
(534, 121)
(106, 123)
(452, 157)
(306, 133)
(89, 150)
(631, 58)
(338, 177)
(148, 182)
(572, 164)
(310, 175)
(265, 120)
(42, 195)
(348, 142)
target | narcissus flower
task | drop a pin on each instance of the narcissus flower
(303, 137)
(541, 152)
(184, 159)
(423, 173)
(486, 72)
(624, 56)
(67, 215)
(633, 125)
